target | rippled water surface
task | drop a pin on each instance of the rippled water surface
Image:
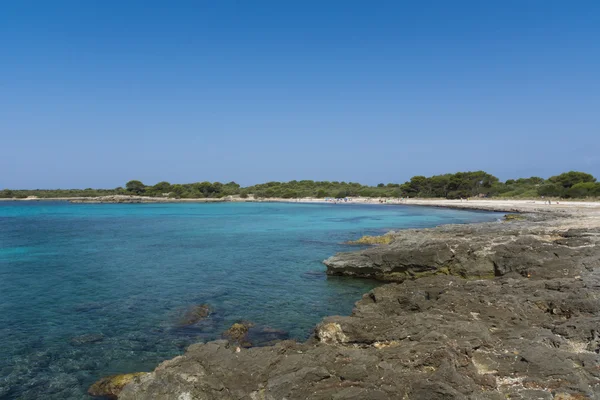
(125, 274)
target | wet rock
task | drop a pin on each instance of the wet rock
(513, 217)
(87, 339)
(372, 240)
(238, 333)
(315, 275)
(111, 386)
(195, 314)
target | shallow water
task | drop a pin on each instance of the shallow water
(127, 273)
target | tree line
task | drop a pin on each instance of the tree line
(571, 184)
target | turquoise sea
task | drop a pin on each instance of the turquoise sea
(92, 290)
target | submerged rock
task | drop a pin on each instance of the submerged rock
(247, 334)
(238, 333)
(86, 339)
(265, 335)
(195, 314)
(111, 386)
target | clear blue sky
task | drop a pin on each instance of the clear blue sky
(95, 93)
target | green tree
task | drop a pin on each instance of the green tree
(290, 194)
(135, 187)
(178, 190)
(571, 178)
(162, 187)
(439, 186)
(551, 190)
(416, 185)
(580, 190)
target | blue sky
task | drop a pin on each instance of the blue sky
(95, 93)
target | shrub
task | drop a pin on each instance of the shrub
(581, 190)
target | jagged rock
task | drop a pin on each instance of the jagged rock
(529, 330)
(476, 251)
(330, 332)
(111, 386)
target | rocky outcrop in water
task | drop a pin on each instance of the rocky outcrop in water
(474, 251)
(111, 386)
(238, 333)
(120, 199)
(489, 311)
(195, 314)
(129, 199)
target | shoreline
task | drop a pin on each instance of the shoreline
(447, 326)
(500, 205)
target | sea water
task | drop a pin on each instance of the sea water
(124, 274)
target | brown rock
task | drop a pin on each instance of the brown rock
(238, 333)
(383, 239)
(111, 386)
(435, 335)
(196, 314)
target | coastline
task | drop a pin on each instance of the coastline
(477, 311)
(502, 205)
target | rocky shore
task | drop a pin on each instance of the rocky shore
(126, 199)
(483, 311)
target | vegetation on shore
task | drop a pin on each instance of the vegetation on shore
(451, 186)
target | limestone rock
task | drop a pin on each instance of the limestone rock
(373, 240)
(111, 386)
(477, 312)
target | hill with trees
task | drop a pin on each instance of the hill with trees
(571, 184)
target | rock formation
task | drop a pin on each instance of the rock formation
(111, 386)
(485, 311)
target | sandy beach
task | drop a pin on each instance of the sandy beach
(508, 205)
